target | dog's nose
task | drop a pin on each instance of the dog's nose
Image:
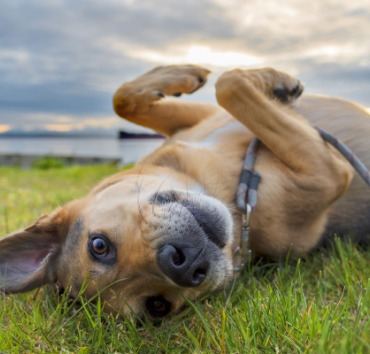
(184, 263)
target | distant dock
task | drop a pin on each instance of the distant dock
(127, 135)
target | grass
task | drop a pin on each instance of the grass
(317, 305)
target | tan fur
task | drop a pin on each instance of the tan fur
(302, 195)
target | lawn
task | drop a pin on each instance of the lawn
(317, 305)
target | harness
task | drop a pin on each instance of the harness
(246, 196)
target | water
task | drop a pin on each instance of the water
(129, 150)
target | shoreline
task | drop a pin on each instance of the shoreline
(27, 161)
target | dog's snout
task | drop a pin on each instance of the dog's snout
(165, 197)
(184, 263)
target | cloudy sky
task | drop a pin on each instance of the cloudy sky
(61, 60)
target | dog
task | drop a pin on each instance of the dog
(168, 229)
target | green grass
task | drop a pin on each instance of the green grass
(317, 305)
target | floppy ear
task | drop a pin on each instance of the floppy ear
(28, 258)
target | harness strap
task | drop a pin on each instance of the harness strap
(356, 163)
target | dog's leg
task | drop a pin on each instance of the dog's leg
(260, 99)
(141, 101)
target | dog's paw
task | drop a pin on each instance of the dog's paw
(137, 96)
(277, 84)
(272, 83)
(173, 80)
(286, 94)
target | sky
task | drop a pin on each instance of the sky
(62, 60)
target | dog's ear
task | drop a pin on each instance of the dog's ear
(28, 257)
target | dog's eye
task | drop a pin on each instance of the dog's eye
(158, 306)
(99, 246)
(101, 249)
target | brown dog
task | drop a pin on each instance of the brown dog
(167, 229)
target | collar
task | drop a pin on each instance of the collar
(246, 198)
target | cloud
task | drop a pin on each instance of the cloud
(66, 58)
(85, 123)
(27, 122)
(197, 54)
(4, 128)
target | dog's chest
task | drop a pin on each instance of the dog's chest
(215, 134)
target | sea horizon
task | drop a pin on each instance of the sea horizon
(86, 146)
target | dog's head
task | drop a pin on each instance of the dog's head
(143, 241)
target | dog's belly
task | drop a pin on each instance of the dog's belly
(350, 215)
(211, 131)
(224, 135)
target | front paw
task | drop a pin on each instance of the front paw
(278, 85)
(287, 94)
(172, 80)
(274, 84)
(137, 96)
